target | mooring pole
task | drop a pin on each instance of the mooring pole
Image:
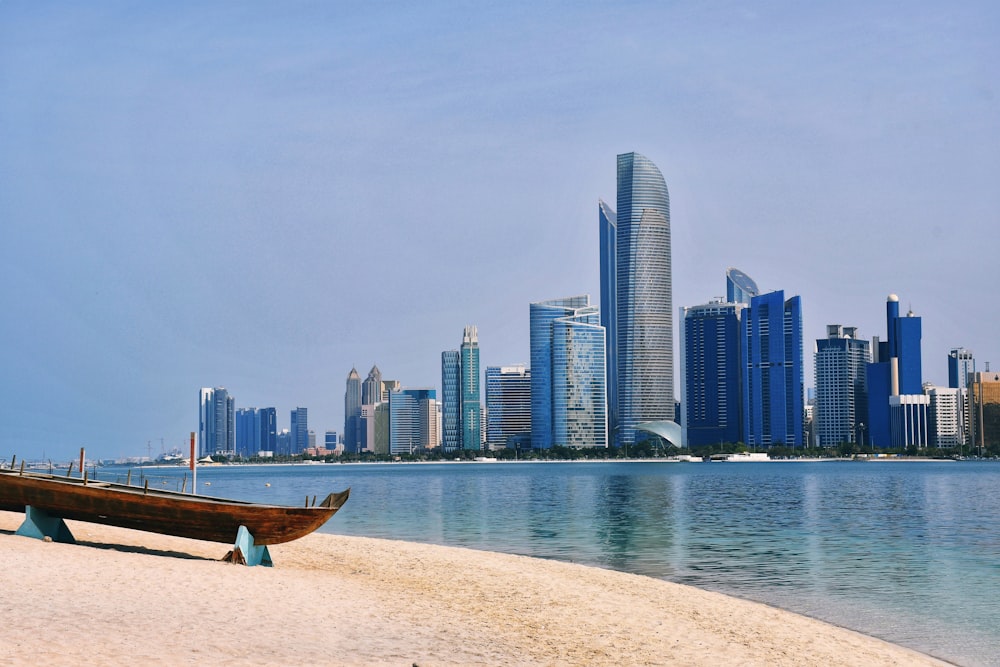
(194, 468)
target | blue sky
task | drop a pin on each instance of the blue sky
(263, 195)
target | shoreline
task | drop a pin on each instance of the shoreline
(131, 596)
(175, 466)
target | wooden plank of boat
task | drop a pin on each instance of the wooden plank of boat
(159, 511)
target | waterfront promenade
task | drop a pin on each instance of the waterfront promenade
(125, 597)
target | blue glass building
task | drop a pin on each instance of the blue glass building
(352, 413)
(711, 373)
(268, 419)
(410, 412)
(609, 309)
(641, 338)
(773, 385)
(299, 430)
(451, 400)
(568, 374)
(247, 431)
(895, 371)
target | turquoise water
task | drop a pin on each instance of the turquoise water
(905, 551)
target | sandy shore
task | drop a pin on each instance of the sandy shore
(125, 597)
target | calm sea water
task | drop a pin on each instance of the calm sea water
(905, 551)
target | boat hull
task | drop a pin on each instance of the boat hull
(165, 512)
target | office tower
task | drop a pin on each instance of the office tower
(895, 372)
(330, 440)
(960, 364)
(248, 431)
(773, 383)
(216, 422)
(382, 427)
(371, 388)
(641, 337)
(711, 373)
(740, 287)
(300, 430)
(984, 404)
(471, 406)
(268, 430)
(451, 400)
(283, 443)
(409, 413)
(508, 407)
(841, 408)
(244, 430)
(609, 309)
(352, 412)
(947, 413)
(568, 374)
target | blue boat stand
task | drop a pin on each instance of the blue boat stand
(40, 524)
(245, 552)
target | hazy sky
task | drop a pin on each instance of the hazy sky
(262, 195)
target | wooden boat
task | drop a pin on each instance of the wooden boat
(160, 511)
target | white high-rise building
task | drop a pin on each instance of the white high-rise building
(948, 408)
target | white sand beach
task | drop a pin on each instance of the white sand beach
(125, 597)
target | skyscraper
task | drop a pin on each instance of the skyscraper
(895, 372)
(641, 337)
(451, 400)
(268, 430)
(841, 410)
(471, 406)
(412, 420)
(352, 413)
(773, 384)
(568, 374)
(216, 422)
(711, 373)
(248, 431)
(300, 430)
(609, 309)
(960, 364)
(371, 388)
(508, 406)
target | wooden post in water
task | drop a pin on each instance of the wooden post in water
(70, 471)
(82, 471)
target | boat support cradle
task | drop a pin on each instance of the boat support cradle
(40, 524)
(245, 552)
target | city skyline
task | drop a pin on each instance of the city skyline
(199, 197)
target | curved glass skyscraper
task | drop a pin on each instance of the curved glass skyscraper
(642, 338)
